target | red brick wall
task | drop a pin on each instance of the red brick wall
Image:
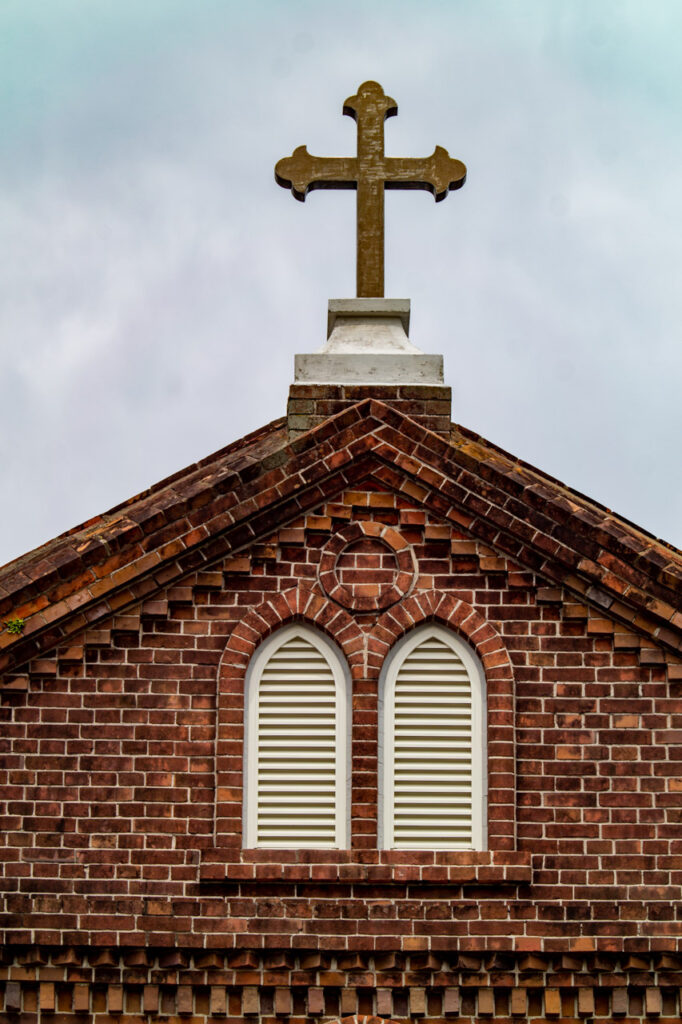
(121, 785)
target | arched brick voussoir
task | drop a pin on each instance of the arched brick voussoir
(429, 605)
(483, 638)
(297, 604)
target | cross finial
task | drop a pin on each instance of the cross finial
(370, 172)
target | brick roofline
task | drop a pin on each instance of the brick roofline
(228, 500)
(241, 445)
(457, 428)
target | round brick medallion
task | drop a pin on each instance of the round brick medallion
(366, 567)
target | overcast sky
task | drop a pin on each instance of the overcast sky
(155, 282)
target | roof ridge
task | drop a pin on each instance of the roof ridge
(155, 488)
(543, 475)
(264, 478)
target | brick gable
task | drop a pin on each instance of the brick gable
(124, 878)
(239, 495)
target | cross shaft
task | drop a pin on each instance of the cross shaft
(370, 172)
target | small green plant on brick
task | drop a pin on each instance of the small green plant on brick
(15, 627)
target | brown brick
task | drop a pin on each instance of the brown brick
(13, 997)
(315, 1002)
(417, 1002)
(486, 1002)
(156, 609)
(653, 1003)
(81, 998)
(250, 1001)
(97, 638)
(150, 999)
(283, 1002)
(44, 667)
(585, 1002)
(552, 1002)
(218, 1001)
(296, 536)
(15, 683)
(518, 1002)
(451, 1002)
(349, 1001)
(493, 564)
(384, 1002)
(323, 523)
(242, 564)
(619, 1002)
(548, 595)
(115, 998)
(575, 611)
(209, 580)
(47, 997)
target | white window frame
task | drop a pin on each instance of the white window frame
(479, 731)
(341, 675)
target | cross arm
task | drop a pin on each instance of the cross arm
(302, 172)
(437, 174)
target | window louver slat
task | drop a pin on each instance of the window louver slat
(296, 761)
(431, 745)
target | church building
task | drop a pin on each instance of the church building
(359, 718)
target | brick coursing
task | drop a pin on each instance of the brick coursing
(237, 496)
(202, 986)
(121, 764)
(310, 405)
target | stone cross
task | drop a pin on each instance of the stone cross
(370, 172)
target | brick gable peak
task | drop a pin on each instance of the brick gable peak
(230, 500)
(368, 354)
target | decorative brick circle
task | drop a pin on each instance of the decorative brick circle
(366, 567)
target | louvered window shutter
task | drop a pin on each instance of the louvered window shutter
(434, 742)
(296, 783)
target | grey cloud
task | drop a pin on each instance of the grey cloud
(155, 283)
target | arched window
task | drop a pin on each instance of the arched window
(296, 743)
(434, 738)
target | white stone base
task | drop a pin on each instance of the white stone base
(367, 343)
(368, 369)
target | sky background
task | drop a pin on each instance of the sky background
(155, 282)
